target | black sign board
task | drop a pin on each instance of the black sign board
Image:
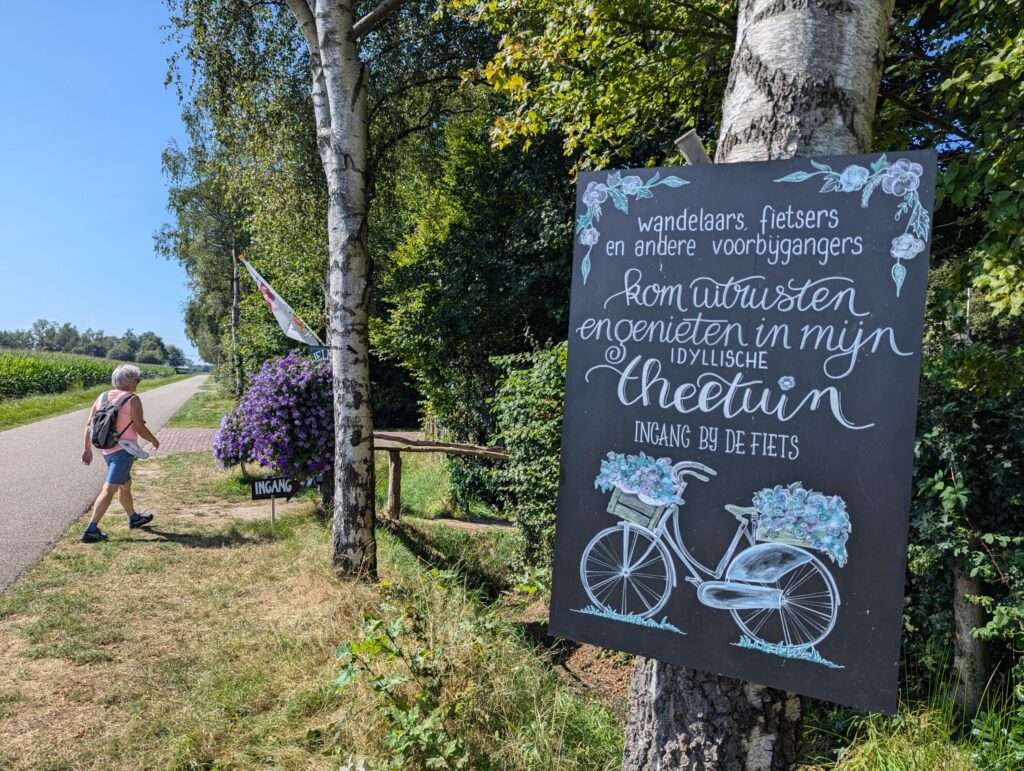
(320, 352)
(741, 394)
(273, 487)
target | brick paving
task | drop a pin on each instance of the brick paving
(175, 440)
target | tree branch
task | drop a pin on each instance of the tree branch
(927, 117)
(376, 17)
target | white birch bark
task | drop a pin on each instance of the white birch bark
(339, 103)
(803, 82)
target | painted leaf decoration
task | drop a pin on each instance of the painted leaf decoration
(620, 201)
(879, 164)
(614, 179)
(582, 222)
(653, 180)
(585, 268)
(869, 188)
(830, 186)
(899, 273)
(821, 166)
(644, 193)
(673, 182)
(796, 176)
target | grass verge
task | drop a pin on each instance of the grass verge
(208, 641)
(29, 409)
(204, 409)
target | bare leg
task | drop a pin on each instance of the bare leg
(103, 500)
(125, 496)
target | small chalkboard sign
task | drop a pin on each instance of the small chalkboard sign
(744, 353)
(273, 487)
(320, 352)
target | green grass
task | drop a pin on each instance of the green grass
(424, 484)
(29, 409)
(204, 410)
(221, 652)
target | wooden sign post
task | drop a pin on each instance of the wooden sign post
(741, 393)
(271, 488)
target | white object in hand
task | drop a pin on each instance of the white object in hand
(133, 448)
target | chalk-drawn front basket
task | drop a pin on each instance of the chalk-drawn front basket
(629, 507)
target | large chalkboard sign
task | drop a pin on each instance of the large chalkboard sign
(744, 352)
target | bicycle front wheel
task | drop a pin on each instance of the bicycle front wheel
(627, 570)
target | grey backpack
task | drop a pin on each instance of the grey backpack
(103, 425)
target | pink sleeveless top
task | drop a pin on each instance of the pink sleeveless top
(124, 417)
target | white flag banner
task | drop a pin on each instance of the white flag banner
(291, 324)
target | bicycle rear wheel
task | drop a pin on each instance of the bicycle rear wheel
(806, 612)
(627, 570)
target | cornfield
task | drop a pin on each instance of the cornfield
(25, 372)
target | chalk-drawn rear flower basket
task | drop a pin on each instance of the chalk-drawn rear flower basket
(806, 518)
(643, 488)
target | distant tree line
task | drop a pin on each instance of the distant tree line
(144, 348)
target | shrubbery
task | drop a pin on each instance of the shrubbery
(284, 421)
(528, 409)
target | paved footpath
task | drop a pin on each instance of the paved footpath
(43, 485)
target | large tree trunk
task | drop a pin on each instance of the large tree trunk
(971, 659)
(339, 103)
(803, 82)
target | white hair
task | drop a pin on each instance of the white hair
(124, 374)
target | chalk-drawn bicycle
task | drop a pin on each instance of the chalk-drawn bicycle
(777, 593)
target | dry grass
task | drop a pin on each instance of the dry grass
(208, 641)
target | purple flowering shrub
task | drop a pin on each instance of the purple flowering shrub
(230, 444)
(285, 420)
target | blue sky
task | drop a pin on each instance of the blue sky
(84, 118)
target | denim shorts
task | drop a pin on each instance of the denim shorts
(119, 467)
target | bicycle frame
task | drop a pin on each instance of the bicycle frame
(692, 564)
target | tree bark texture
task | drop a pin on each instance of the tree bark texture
(803, 82)
(803, 79)
(339, 104)
(970, 656)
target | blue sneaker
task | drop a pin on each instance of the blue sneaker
(93, 535)
(138, 520)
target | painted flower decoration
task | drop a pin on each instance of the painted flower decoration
(596, 193)
(649, 479)
(906, 247)
(589, 237)
(902, 177)
(853, 178)
(812, 518)
(901, 180)
(631, 184)
(619, 189)
(786, 382)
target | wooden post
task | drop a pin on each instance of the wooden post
(394, 507)
(692, 148)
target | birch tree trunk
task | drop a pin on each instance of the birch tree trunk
(803, 82)
(236, 360)
(339, 103)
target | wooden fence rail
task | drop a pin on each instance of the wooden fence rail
(395, 444)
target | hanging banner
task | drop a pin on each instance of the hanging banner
(290, 323)
(744, 354)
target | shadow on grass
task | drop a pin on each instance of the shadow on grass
(448, 552)
(223, 540)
